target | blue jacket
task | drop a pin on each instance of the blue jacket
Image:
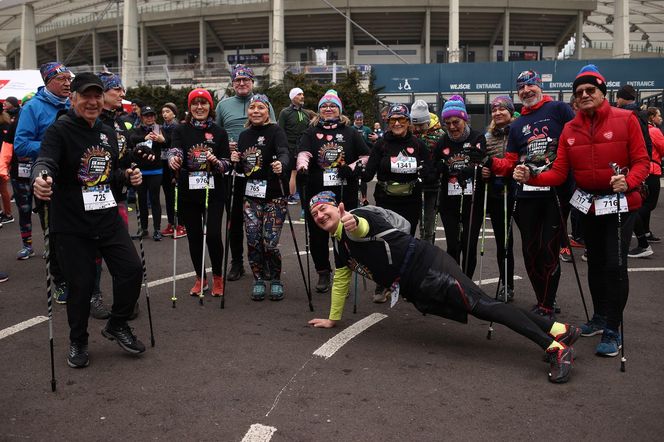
(36, 116)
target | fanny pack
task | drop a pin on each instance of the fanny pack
(397, 189)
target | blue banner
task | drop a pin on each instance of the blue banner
(558, 75)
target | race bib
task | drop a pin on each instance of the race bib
(24, 170)
(455, 188)
(403, 164)
(199, 180)
(607, 204)
(581, 201)
(527, 188)
(331, 178)
(256, 188)
(98, 197)
(394, 293)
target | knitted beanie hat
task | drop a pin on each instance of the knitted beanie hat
(331, 96)
(503, 101)
(589, 74)
(419, 112)
(455, 107)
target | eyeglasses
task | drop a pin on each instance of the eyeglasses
(242, 80)
(63, 79)
(589, 90)
(453, 123)
(400, 120)
(329, 106)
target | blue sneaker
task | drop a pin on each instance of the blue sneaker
(610, 344)
(276, 291)
(294, 198)
(594, 327)
(258, 291)
(25, 253)
(61, 293)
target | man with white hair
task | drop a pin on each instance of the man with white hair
(294, 120)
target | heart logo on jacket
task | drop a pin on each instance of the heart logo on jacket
(571, 141)
(446, 151)
(319, 136)
(328, 137)
(608, 135)
(410, 150)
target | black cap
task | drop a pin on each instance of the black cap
(147, 110)
(626, 92)
(84, 81)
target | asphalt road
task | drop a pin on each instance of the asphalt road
(249, 371)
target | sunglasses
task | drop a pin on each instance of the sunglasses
(589, 90)
(400, 120)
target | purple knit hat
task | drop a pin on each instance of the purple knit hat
(331, 96)
(503, 101)
(455, 107)
(51, 69)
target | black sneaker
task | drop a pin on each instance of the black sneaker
(236, 272)
(569, 336)
(565, 254)
(78, 356)
(323, 284)
(560, 360)
(140, 234)
(640, 252)
(649, 236)
(97, 308)
(6, 219)
(509, 297)
(124, 337)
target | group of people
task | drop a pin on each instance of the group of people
(238, 158)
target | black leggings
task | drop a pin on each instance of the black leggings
(237, 219)
(539, 222)
(608, 280)
(169, 192)
(642, 225)
(151, 184)
(495, 209)
(191, 213)
(472, 224)
(446, 291)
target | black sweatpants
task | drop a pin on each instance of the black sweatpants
(608, 281)
(472, 224)
(539, 222)
(191, 215)
(319, 239)
(77, 258)
(496, 210)
(446, 291)
(151, 184)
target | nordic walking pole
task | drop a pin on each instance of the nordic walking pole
(470, 220)
(145, 272)
(222, 301)
(306, 234)
(509, 232)
(623, 359)
(205, 216)
(486, 185)
(507, 240)
(355, 295)
(563, 224)
(49, 292)
(175, 242)
(297, 250)
(435, 208)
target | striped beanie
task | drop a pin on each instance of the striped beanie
(455, 107)
(331, 96)
(589, 74)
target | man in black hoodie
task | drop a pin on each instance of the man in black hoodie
(79, 156)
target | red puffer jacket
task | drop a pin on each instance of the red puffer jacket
(587, 146)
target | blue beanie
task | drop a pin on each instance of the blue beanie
(455, 107)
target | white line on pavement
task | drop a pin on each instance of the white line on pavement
(647, 269)
(494, 280)
(177, 277)
(259, 433)
(340, 339)
(22, 326)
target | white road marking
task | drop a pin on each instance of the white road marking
(494, 280)
(328, 349)
(177, 277)
(259, 433)
(22, 326)
(290, 381)
(647, 269)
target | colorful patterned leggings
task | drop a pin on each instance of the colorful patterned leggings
(263, 221)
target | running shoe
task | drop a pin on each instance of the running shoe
(196, 289)
(4, 277)
(544, 311)
(61, 293)
(97, 308)
(124, 336)
(652, 238)
(565, 254)
(561, 360)
(276, 291)
(294, 199)
(584, 257)
(78, 356)
(140, 234)
(593, 327)
(610, 344)
(6, 219)
(236, 272)
(510, 294)
(640, 252)
(180, 231)
(576, 243)
(168, 231)
(323, 284)
(258, 290)
(25, 253)
(569, 336)
(157, 236)
(381, 295)
(217, 285)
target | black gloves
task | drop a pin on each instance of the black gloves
(345, 172)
